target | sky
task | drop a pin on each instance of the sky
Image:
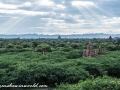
(59, 16)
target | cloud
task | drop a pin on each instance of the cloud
(14, 6)
(8, 6)
(59, 16)
(26, 4)
(60, 6)
(44, 2)
(23, 12)
(82, 3)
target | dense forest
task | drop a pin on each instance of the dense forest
(62, 66)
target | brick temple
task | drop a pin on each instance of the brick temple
(90, 52)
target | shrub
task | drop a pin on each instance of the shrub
(26, 45)
(67, 49)
(74, 74)
(94, 69)
(69, 75)
(104, 83)
(3, 50)
(75, 46)
(18, 47)
(74, 54)
(34, 44)
(114, 70)
(61, 45)
(46, 48)
(10, 46)
(112, 47)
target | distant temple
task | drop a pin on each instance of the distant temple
(110, 38)
(59, 37)
(89, 52)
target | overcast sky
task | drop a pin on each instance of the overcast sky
(59, 16)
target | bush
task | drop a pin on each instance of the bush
(74, 54)
(75, 46)
(10, 46)
(3, 50)
(18, 47)
(94, 69)
(67, 49)
(112, 47)
(34, 44)
(104, 83)
(59, 75)
(74, 74)
(46, 48)
(61, 45)
(114, 70)
(26, 45)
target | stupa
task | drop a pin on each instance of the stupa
(89, 52)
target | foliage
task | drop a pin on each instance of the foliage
(112, 47)
(74, 54)
(100, 83)
(75, 46)
(9, 46)
(44, 46)
(22, 63)
(26, 45)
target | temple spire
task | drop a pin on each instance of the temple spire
(89, 52)
(110, 38)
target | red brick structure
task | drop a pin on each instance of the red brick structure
(89, 52)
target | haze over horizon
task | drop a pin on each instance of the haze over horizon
(59, 16)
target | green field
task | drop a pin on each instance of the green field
(62, 66)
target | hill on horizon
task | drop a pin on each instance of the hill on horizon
(93, 35)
